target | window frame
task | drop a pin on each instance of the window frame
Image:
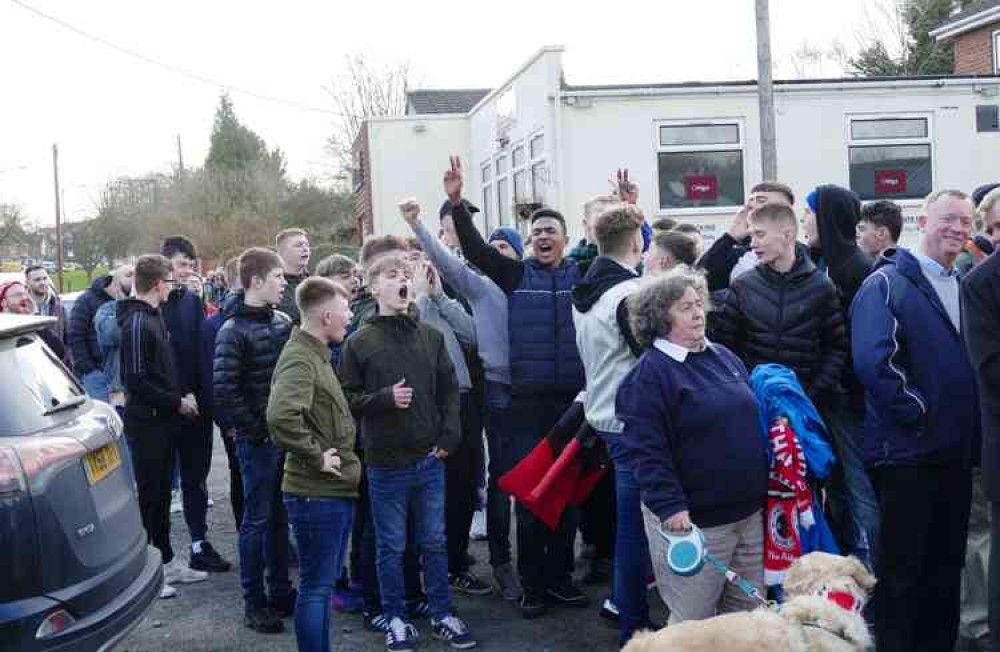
(741, 146)
(487, 183)
(996, 52)
(927, 140)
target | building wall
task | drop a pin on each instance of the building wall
(812, 142)
(588, 136)
(974, 53)
(362, 195)
(408, 159)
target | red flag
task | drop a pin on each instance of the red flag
(545, 482)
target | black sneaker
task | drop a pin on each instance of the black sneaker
(400, 636)
(263, 621)
(453, 631)
(567, 594)
(418, 609)
(208, 560)
(375, 622)
(284, 607)
(609, 612)
(469, 584)
(533, 604)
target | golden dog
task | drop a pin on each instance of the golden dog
(822, 613)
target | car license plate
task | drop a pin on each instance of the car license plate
(101, 462)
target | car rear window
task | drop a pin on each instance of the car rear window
(35, 384)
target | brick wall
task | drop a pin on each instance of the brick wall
(974, 51)
(362, 185)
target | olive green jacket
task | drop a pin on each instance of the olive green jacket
(307, 413)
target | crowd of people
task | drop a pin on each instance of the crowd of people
(353, 402)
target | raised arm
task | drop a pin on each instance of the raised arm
(505, 272)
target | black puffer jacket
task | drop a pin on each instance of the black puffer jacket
(246, 352)
(82, 334)
(792, 319)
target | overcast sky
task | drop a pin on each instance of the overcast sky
(114, 115)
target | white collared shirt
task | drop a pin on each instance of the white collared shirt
(675, 351)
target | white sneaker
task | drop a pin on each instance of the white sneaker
(176, 504)
(478, 530)
(167, 592)
(211, 503)
(177, 572)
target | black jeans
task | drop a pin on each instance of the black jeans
(544, 556)
(921, 551)
(235, 480)
(597, 517)
(462, 470)
(194, 448)
(152, 445)
(994, 577)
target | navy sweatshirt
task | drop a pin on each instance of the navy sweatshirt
(693, 429)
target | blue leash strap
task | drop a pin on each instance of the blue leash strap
(737, 580)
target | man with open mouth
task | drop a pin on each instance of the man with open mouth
(546, 376)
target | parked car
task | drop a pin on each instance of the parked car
(78, 571)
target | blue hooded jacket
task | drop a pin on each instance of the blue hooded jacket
(922, 405)
(780, 394)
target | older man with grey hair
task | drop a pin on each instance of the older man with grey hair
(922, 427)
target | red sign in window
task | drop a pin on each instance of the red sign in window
(701, 187)
(890, 182)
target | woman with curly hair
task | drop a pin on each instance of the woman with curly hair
(691, 422)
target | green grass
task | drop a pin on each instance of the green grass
(76, 280)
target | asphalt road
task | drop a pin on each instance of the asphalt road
(208, 617)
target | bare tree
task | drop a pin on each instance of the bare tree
(363, 91)
(809, 61)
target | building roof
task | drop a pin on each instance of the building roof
(459, 100)
(977, 14)
(752, 83)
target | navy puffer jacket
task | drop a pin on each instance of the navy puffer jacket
(543, 353)
(246, 352)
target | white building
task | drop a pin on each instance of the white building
(693, 148)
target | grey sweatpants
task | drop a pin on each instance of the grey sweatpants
(739, 545)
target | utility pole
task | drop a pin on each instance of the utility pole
(180, 157)
(59, 239)
(765, 94)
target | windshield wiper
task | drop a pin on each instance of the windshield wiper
(68, 404)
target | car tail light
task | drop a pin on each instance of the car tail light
(11, 477)
(56, 622)
(37, 455)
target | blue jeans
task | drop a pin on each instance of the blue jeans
(95, 383)
(419, 491)
(322, 527)
(632, 562)
(264, 531)
(498, 434)
(853, 506)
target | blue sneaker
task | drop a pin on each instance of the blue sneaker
(452, 630)
(401, 636)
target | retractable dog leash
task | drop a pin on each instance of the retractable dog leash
(687, 555)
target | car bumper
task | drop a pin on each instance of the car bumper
(101, 630)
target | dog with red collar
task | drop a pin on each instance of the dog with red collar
(824, 598)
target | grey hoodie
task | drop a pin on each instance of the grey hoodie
(449, 317)
(488, 301)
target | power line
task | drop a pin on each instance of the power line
(175, 69)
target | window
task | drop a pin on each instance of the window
(987, 118)
(486, 173)
(538, 177)
(700, 165)
(890, 157)
(488, 206)
(996, 52)
(503, 201)
(502, 166)
(522, 194)
(538, 146)
(518, 156)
